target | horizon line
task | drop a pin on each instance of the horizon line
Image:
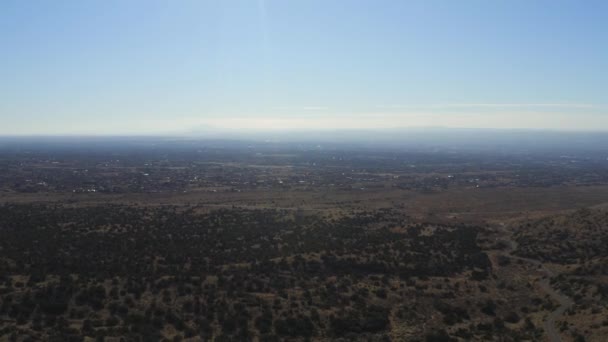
(231, 132)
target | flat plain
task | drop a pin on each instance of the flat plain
(264, 242)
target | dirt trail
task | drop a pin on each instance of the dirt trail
(565, 302)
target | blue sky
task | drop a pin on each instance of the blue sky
(122, 67)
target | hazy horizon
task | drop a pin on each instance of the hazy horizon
(203, 132)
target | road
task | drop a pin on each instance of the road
(564, 301)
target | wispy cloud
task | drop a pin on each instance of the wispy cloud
(494, 105)
(302, 108)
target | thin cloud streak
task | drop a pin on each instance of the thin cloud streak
(495, 105)
(304, 108)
